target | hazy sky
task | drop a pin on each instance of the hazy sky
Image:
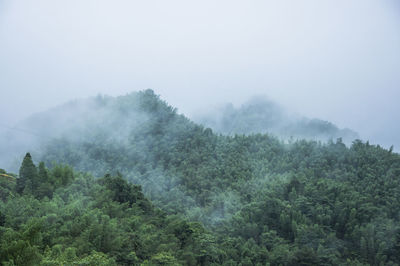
(337, 60)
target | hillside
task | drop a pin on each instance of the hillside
(261, 115)
(264, 200)
(61, 217)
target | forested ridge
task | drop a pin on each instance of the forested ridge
(261, 115)
(151, 187)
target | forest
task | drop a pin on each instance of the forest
(129, 181)
(262, 115)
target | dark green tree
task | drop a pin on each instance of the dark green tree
(45, 187)
(28, 175)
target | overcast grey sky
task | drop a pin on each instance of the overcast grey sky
(337, 60)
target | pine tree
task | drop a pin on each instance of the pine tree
(44, 186)
(28, 175)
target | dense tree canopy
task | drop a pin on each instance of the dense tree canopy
(207, 199)
(95, 222)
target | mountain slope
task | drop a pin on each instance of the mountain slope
(260, 115)
(266, 200)
(87, 221)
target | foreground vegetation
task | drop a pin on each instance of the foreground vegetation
(60, 217)
(207, 199)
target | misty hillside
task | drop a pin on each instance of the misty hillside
(260, 115)
(70, 218)
(262, 199)
(117, 122)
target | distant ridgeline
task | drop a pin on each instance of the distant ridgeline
(265, 200)
(264, 116)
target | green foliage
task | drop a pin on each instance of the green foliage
(88, 222)
(225, 200)
(7, 185)
(163, 258)
(28, 176)
(56, 256)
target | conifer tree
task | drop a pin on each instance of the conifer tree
(44, 186)
(27, 175)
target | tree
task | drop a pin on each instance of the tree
(28, 175)
(45, 187)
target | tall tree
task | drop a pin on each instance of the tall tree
(28, 175)
(44, 186)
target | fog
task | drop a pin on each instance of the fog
(334, 60)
